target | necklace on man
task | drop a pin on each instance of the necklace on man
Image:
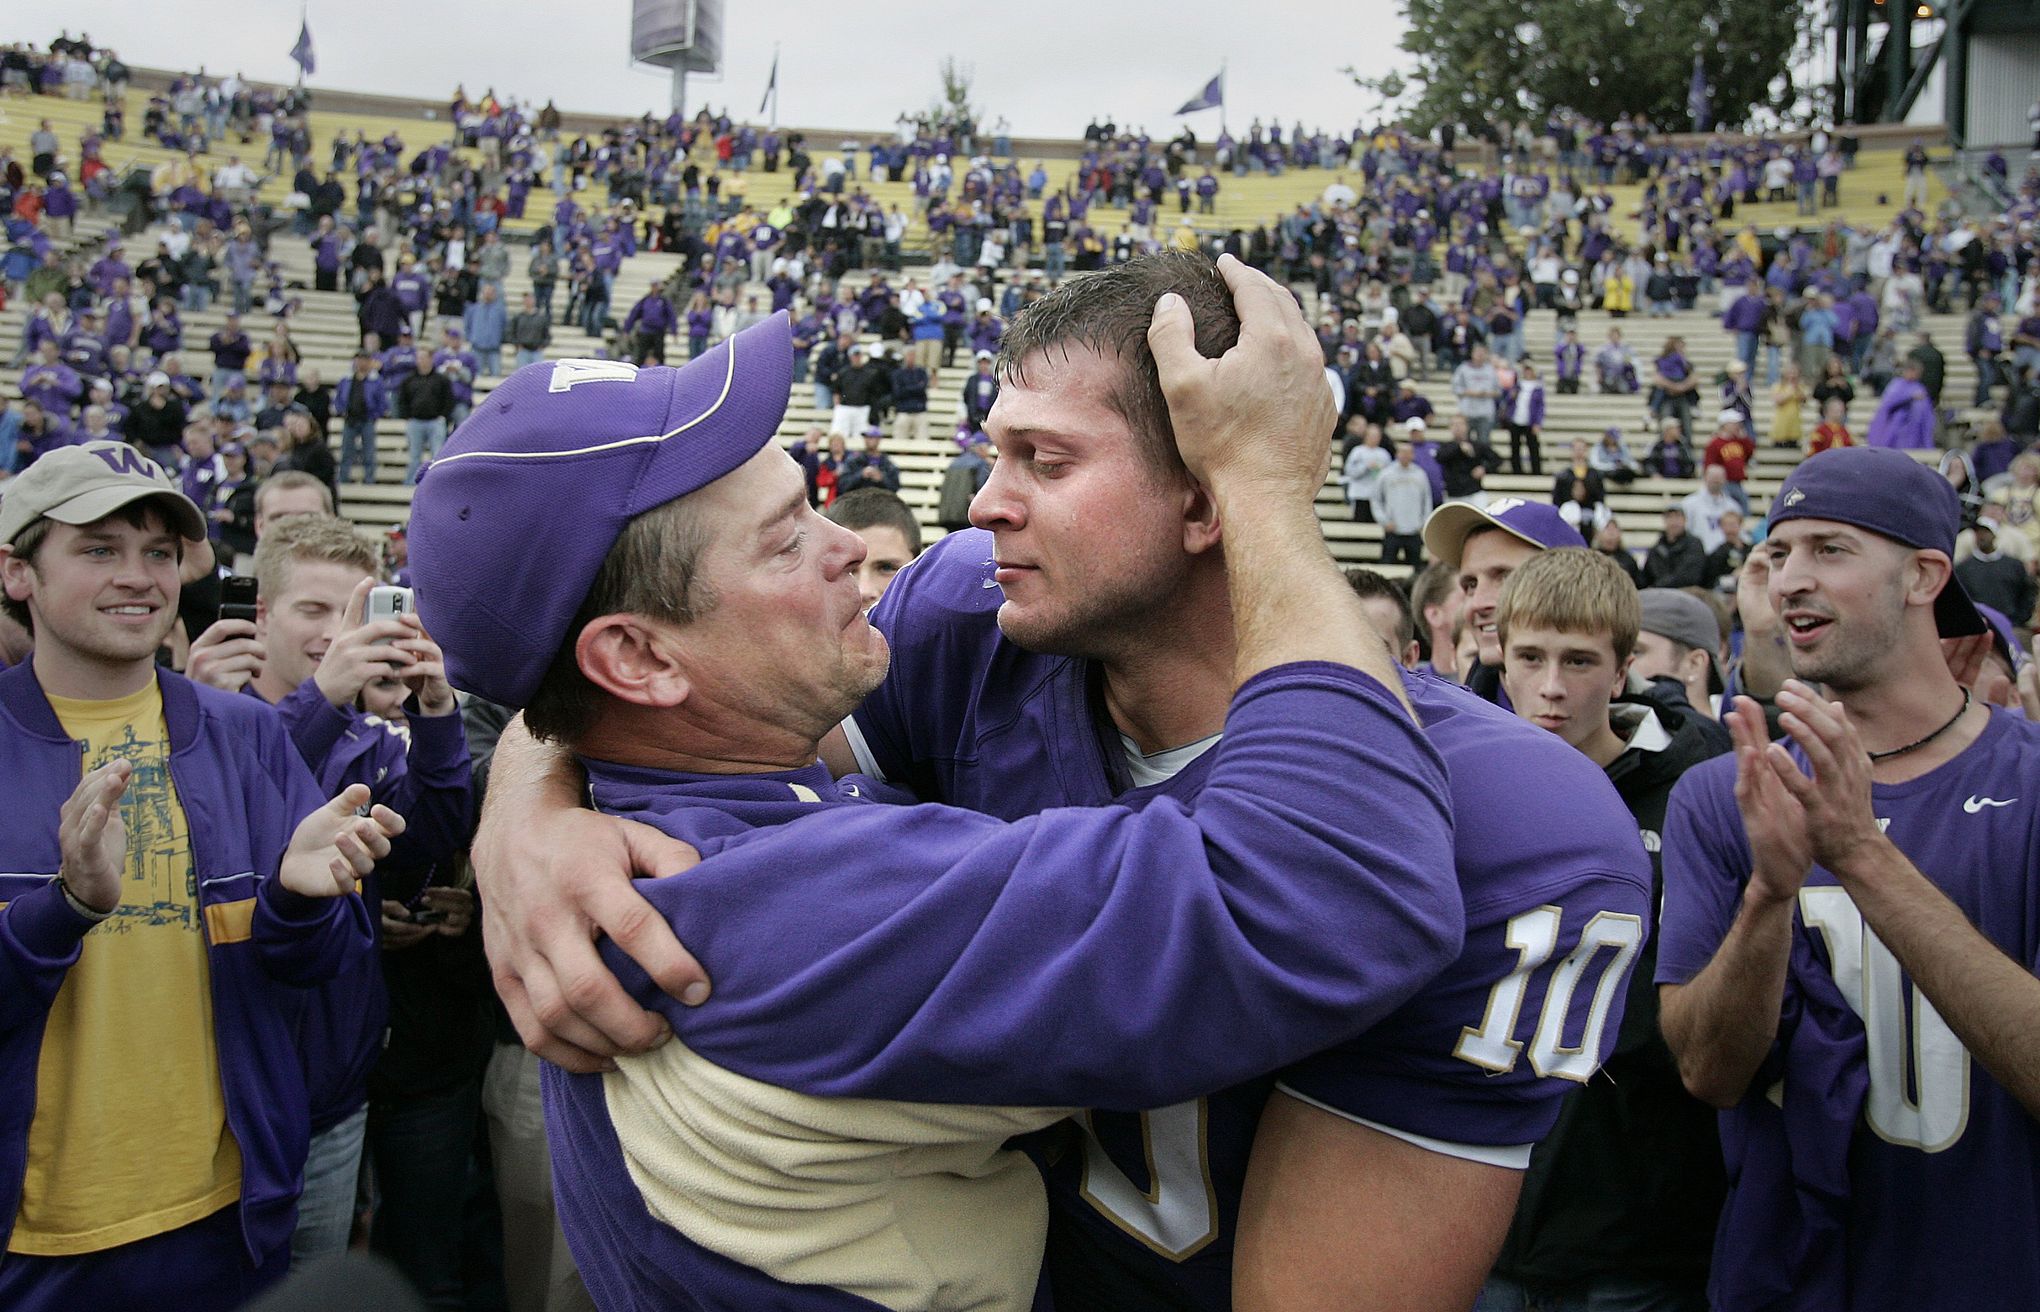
(1915, 746)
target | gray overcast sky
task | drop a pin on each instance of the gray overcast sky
(1047, 65)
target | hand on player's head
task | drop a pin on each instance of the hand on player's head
(1261, 415)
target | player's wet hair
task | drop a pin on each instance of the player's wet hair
(1109, 312)
(652, 570)
(874, 507)
(1571, 590)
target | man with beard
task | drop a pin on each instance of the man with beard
(1848, 926)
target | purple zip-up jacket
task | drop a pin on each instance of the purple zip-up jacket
(427, 781)
(244, 790)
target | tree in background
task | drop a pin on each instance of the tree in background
(1483, 62)
(953, 105)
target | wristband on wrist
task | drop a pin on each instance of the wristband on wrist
(92, 914)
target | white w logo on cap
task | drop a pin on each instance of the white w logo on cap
(569, 374)
(1503, 505)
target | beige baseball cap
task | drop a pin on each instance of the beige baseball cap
(84, 484)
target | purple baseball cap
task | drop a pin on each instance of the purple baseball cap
(1534, 522)
(2004, 636)
(524, 502)
(1892, 495)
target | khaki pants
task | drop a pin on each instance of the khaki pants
(910, 428)
(928, 353)
(538, 1271)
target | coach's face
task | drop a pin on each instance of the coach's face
(1088, 536)
(782, 639)
(1841, 593)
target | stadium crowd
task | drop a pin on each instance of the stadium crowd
(257, 790)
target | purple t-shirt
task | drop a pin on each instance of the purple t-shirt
(1931, 1167)
(1475, 1064)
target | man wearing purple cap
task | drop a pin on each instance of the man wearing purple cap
(678, 615)
(1485, 544)
(1849, 928)
(1072, 652)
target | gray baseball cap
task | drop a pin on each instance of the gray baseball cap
(1684, 618)
(84, 484)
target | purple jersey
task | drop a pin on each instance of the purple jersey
(1873, 1165)
(900, 989)
(1476, 1064)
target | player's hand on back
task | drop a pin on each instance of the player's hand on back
(554, 877)
(1261, 415)
(226, 656)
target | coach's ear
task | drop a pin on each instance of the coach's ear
(632, 659)
(1201, 529)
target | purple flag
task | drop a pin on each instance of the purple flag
(1698, 103)
(302, 51)
(1212, 97)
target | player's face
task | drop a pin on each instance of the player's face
(1840, 593)
(885, 554)
(1485, 563)
(102, 596)
(1087, 534)
(1562, 682)
(784, 640)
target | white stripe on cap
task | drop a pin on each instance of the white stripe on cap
(729, 378)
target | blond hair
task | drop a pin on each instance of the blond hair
(308, 537)
(1572, 590)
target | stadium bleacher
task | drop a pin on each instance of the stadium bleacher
(325, 330)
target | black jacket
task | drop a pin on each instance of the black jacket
(1681, 564)
(425, 396)
(1629, 1182)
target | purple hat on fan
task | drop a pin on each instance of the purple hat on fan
(1890, 494)
(529, 494)
(1534, 522)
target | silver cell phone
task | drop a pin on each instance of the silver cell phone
(387, 603)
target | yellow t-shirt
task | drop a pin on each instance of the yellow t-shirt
(130, 1135)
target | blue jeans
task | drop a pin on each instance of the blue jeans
(326, 1207)
(1746, 351)
(424, 437)
(489, 360)
(357, 442)
(527, 355)
(421, 1149)
(825, 399)
(1608, 1294)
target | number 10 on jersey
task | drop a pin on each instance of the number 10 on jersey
(1609, 940)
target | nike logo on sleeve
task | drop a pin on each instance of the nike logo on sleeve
(1975, 804)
